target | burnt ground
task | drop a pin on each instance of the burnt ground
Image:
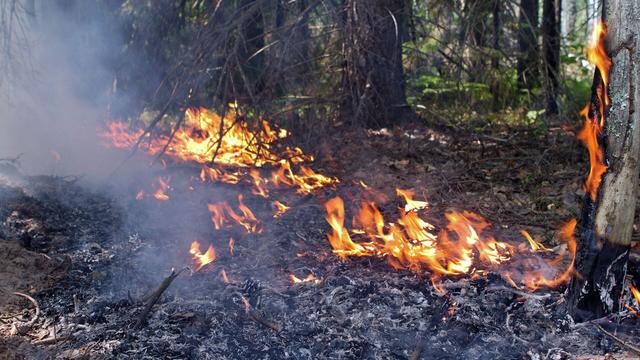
(90, 259)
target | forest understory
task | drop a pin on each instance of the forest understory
(89, 262)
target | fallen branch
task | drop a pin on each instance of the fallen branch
(622, 342)
(51, 340)
(156, 296)
(22, 328)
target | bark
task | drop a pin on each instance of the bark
(373, 75)
(607, 224)
(528, 44)
(569, 13)
(551, 49)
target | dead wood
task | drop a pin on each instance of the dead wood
(619, 340)
(23, 328)
(156, 296)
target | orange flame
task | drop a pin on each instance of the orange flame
(309, 278)
(410, 203)
(461, 247)
(232, 244)
(199, 258)
(163, 186)
(225, 278)
(241, 146)
(280, 208)
(595, 120)
(222, 216)
(636, 295)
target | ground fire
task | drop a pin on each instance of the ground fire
(321, 180)
(464, 244)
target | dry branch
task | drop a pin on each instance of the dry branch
(156, 296)
(23, 328)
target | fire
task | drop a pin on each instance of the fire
(636, 295)
(140, 195)
(237, 148)
(410, 203)
(594, 114)
(224, 276)
(309, 278)
(280, 208)
(462, 246)
(535, 246)
(163, 186)
(199, 258)
(340, 240)
(232, 245)
(223, 215)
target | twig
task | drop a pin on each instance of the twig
(622, 342)
(51, 340)
(156, 296)
(255, 315)
(518, 292)
(22, 328)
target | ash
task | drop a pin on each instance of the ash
(100, 266)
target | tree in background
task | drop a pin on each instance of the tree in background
(528, 44)
(551, 50)
(373, 82)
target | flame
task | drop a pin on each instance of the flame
(535, 246)
(222, 216)
(280, 208)
(232, 244)
(163, 186)
(225, 278)
(309, 278)
(411, 204)
(140, 195)
(462, 246)
(340, 240)
(636, 295)
(242, 146)
(199, 258)
(595, 116)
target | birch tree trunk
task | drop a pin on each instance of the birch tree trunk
(606, 234)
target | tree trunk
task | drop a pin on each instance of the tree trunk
(569, 12)
(607, 223)
(373, 75)
(551, 49)
(528, 44)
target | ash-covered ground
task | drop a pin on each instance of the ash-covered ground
(91, 259)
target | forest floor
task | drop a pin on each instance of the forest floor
(89, 260)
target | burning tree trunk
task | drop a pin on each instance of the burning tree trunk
(373, 77)
(607, 218)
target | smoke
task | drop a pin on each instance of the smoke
(59, 86)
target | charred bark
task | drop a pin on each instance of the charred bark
(607, 223)
(373, 76)
(528, 44)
